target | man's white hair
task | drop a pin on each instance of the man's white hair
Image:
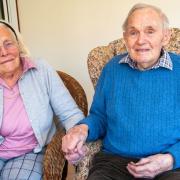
(164, 18)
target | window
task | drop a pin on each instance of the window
(1, 10)
(9, 12)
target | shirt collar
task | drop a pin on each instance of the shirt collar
(164, 61)
(27, 64)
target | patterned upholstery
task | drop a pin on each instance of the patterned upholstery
(54, 160)
(97, 58)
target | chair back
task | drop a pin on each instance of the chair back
(76, 91)
(99, 56)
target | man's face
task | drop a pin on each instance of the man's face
(145, 36)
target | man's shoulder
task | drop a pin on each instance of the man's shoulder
(175, 59)
(116, 59)
(174, 56)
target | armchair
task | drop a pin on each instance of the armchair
(97, 58)
(54, 161)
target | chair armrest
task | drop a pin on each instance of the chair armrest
(54, 160)
(82, 169)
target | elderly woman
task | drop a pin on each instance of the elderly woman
(30, 94)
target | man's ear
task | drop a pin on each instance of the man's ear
(124, 35)
(125, 39)
(167, 36)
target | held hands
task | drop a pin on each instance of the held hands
(151, 166)
(73, 143)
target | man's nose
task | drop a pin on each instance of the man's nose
(141, 38)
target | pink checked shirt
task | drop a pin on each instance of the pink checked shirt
(18, 134)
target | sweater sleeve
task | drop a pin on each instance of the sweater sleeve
(174, 151)
(96, 120)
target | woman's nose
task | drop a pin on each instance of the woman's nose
(3, 51)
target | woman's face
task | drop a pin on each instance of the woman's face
(9, 53)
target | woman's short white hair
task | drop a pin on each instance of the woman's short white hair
(24, 52)
(165, 20)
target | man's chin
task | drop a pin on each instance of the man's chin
(141, 59)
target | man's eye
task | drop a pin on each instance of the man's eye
(132, 33)
(150, 32)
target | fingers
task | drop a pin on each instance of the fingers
(73, 159)
(75, 135)
(134, 173)
(143, 161)
(69, 143)
(72, 156)
(142, 169)
(73, 143)
(81, 148)
(139, 168)
(77, 155)
(151, 166)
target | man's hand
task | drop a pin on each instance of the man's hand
(73, 143)
(151, 166)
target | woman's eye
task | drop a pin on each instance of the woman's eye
(8, 44)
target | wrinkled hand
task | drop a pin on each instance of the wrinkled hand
(73, 143)
(151, 166)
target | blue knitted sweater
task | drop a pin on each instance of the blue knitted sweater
(137, 113)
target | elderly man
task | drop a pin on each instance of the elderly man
(135, 110)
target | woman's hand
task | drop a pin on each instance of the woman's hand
(73, 143)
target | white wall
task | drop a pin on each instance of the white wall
(64, 31)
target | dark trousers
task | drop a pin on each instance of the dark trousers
(112, 167)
